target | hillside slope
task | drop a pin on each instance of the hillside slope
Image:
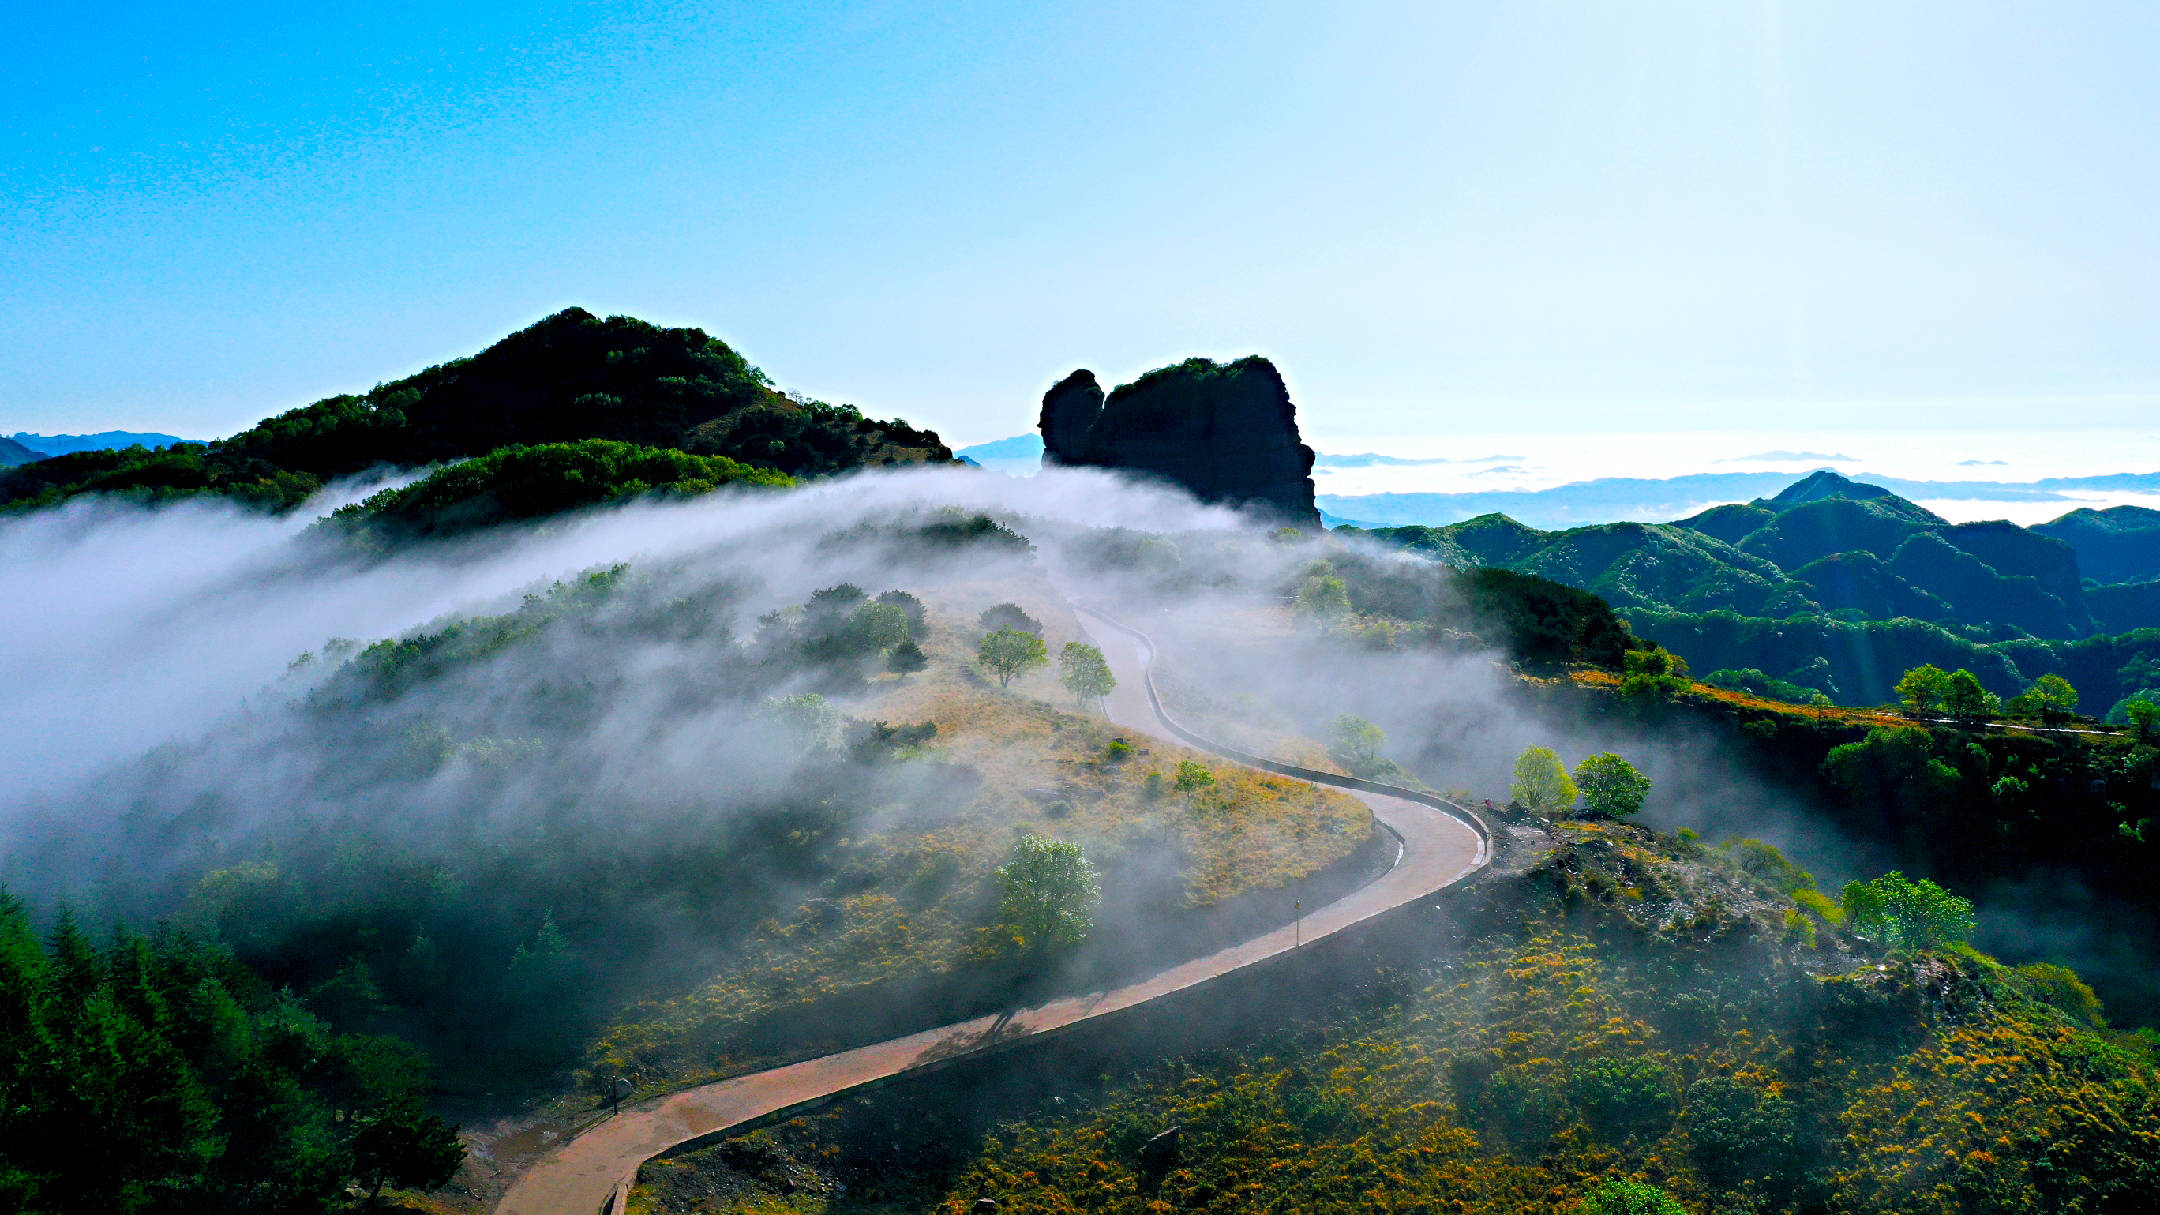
(572, 376)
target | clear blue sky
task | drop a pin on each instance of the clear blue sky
(1625, 214)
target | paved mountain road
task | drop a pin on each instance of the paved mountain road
(592, 1172)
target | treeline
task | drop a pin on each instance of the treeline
(516, 483)
(157, 1074)
(1859, 662)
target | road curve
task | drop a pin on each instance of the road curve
(592, 1173)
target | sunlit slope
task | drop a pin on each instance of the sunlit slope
(910, 910)
(1633, 1006)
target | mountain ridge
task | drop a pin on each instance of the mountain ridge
(569, 377)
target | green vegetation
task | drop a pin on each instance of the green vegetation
(1357, 744)
(1768, 687)
(1047, 894)
(158, 1074)
(1834, 586)
(1010, 652)
(1621, 1197)
(1008, 616)
(2142, 716)
(1192, 776)
(1921, 689)
(515, 483)
(1631, 1026)
(907, 658)
(1322, 599)
(1541, 783)
(1084, 672)
(569, 378)
(1611, 786)
(1906, 914)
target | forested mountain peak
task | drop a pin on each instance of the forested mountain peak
(2110, 519)
(570, 377)
(1826, 483)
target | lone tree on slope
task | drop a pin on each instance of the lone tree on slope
(1084, 671)
(1008, 652)
(1047, 893)
(1921, 690)
(1356, 744)
(1541, 783)
(1611, 785)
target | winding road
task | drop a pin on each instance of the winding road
(1440, 844)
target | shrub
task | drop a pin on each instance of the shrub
(1009, 616)
(1738, 1132)
(1624, 1098)
(1619, 1197)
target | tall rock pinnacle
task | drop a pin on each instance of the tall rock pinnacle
(1227, 432)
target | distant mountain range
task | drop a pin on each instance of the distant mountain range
(1018, 455)
(43, 446)
(1876, 583)
(1607, 499)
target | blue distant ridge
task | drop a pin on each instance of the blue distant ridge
(61, 445)
(1625, 499)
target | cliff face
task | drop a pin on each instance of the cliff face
(1227, 432)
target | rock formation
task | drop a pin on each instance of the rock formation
(1227, 432)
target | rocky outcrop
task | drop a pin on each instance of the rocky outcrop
(1227, 432)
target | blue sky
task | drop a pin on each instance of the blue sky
(1438, 218)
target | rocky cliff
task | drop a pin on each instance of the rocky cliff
(1227, 432)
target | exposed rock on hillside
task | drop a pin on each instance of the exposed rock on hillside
(1225, 431)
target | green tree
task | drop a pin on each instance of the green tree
(1323, 599)
(1611, 785)
(1356, 744)
(1009, 616)
(1047, 893)
(911, 606)
(404, 1145)
(1623, 1197)
(1084, 671)
(1905, 914)
(1964, 697)
(2143, 716)
(1921, 690)
(806, 715)
(1192, 775)
(2052, 696)
(159, 1074)
(1541, 781)
(906, 659)
(880, 626)
(1008, 652)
